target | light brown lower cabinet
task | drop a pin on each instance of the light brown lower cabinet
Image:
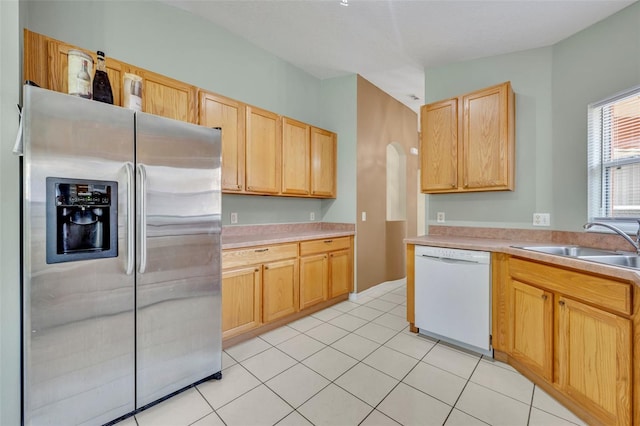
(266, 284)
(325, 269)
(573, 331)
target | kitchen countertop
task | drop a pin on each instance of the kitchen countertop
(257, 235)
(506, 246)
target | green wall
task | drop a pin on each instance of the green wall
(553, 87)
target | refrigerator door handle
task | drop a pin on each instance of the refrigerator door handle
(130, 218)
(143, 217)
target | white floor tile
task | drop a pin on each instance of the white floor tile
(400, 311)
(411, 345)
(301, 347)
(327, 314)
(458, 418)
(334, 406)
(376, 418)
(269, 363)
(391, 362)
(545, 402)
(227, 361)
(182, 409)
(409, 406)
(294, 419)
(236, 380)
(355, 346)
(304, 324)
(542, 418)
(366, 313)
(258, 407)
(367, 383)
(297, 384)
(402, 291)
(345, 306)
(497, 363)
(129, 421)
(501, 380)
(375, 332)
(363, 299)
(451, 360)
(492, 407)
(391, 321)
(279, 335)
(209, 420)
(330, 363)
(247, 349)
(348, 322)
(381, 305)
(327, 333)
(393, 298)
(438, 383)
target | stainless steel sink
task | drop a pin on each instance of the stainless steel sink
(608, 257)
(571, 251)
(626, 260)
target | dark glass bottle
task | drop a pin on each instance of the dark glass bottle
(101, 86)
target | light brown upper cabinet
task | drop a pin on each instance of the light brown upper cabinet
(263, 153)
(229, 115)
(167, 97)
(468, 142)
(58, 57)
(296, 157)
(323, 163)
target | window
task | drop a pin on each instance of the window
(614, 160)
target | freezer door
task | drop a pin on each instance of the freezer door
(78, 315)
(178, 264)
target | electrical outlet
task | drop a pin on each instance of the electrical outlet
(312, 216)
(440, 217)
(541, 219)
(234, 217)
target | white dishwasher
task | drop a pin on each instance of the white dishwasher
(453, 296)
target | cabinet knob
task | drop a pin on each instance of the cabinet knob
(256, 270)
(261, 250)
(266, 267)
(328, 241)
(544, 297)
(561, 303)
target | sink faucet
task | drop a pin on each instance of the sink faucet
(635, 244)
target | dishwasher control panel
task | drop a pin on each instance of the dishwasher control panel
(453, 254)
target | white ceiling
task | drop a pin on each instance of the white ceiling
(391, 42)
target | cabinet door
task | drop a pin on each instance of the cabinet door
(167, 97)
(439, 146)
(340, 275)
(241, 300)
(218, 111)
(323, 163)
(314, 279)
(262, 165)
(295, 157)
(488, 139)
(280, 289)
(594, 360)
(531, 331)
(57, 78)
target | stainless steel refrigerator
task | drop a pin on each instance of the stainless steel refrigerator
(121, 258)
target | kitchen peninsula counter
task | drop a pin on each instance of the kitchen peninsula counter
(478, 240)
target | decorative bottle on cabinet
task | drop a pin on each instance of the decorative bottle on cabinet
(101, 86)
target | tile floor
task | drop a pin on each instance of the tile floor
(357, 364)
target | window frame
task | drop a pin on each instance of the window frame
(598, 168)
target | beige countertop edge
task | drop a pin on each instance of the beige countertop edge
(242, 241)
(506, 246)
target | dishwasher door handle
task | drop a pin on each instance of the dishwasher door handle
(448, 260)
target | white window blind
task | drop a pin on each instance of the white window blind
(614, 160)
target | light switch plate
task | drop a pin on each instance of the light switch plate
(234, 217)
(312, 216)
(364, 216)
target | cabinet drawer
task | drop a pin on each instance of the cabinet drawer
(599, 291)
(323, 246)
(259, 254)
